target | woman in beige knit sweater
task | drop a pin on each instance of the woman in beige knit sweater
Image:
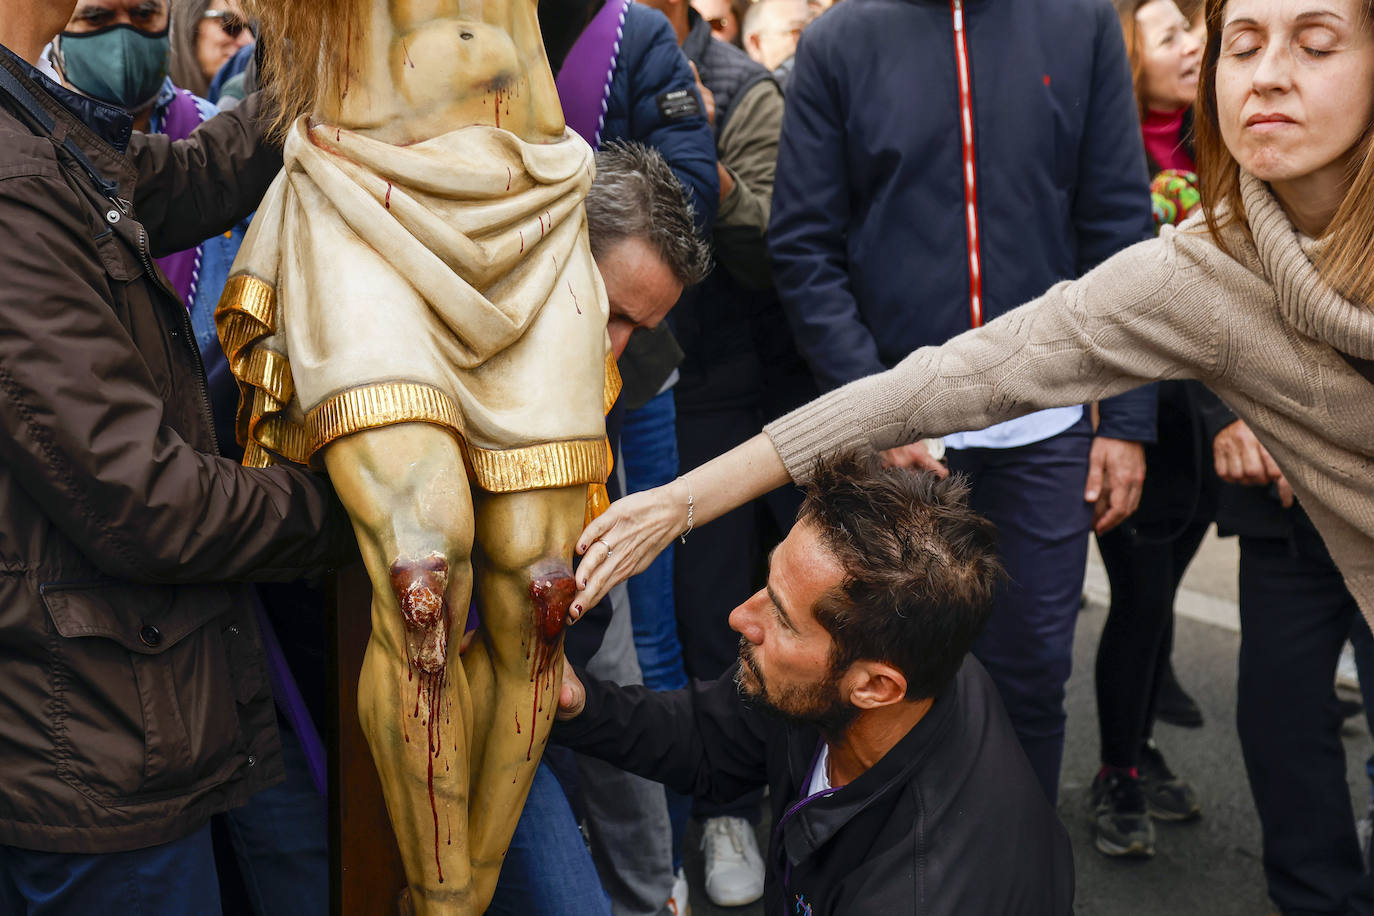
(1267, 301)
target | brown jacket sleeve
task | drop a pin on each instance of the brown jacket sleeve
(87, 437)
(189, 190)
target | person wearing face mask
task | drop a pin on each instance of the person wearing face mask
(117, 51)
(136, 690)
(1146, 556)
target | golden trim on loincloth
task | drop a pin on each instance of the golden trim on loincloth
(247, 316)
(379, 404)
(613, 384)
(534, 467)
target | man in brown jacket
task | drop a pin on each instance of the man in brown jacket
(134, 697)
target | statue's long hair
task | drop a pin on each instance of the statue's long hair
(305, 51)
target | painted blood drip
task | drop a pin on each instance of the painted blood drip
(508, 178)
(517, 715)
(551, 596)
(433, 686)
(420, 586)
(574, 295)
(522, 241)
(348, 58)
(406, 51)
(337, 132)
(388, 195)
(497, 108)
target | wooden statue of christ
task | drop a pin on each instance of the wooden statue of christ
(416, 310)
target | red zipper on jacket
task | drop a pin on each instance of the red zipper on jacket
(975, 266)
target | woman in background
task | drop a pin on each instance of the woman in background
(1146, 556)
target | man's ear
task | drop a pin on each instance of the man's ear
(872, 684)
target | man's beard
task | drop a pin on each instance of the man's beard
(819, 704)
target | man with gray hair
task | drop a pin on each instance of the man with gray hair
(640, 226)
(771, 31)
(639, 222)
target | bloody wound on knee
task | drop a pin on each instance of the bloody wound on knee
(420, 587)
(551, 593)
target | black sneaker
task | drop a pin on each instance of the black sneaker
(1167, 797)
(1173, 705)
(1121, 826)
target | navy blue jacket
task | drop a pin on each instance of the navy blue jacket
(868, 234)
(650, 65)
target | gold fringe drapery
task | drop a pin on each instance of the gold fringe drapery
(270, 430)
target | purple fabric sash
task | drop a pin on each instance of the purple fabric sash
(183, 267)
(584, 83)
(291, 703)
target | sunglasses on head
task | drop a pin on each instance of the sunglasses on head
(231, 23)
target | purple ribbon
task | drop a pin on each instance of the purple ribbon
(584, 83)
(290, 701)
(183, 267)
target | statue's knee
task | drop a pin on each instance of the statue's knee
(552, 588)
(421, 588)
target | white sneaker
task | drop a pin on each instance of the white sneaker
(734, 868)
(677, 903)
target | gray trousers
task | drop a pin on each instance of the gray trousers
(627, 817)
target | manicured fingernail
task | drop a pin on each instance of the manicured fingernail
(578, 608)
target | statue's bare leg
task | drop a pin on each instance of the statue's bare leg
(524, 579)
(407, 491)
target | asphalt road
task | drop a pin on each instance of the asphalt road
(1211, 866)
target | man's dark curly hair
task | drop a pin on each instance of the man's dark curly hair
(920, 567)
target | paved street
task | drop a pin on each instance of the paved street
(1208, 867)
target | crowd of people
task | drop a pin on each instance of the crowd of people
(993, 278)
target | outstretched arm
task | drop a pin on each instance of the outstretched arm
(1119, 327)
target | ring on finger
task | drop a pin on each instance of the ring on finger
(607, 545)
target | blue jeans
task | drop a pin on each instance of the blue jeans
(174, 879)
(548, 870)
(648, 445)
(281, 840)
(1034, 495)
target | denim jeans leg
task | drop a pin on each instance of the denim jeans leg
(281, 840)
(173, 879)
(648, 445)
(548, 870)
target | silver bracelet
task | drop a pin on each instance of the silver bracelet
(691, 504)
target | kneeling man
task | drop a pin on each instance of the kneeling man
(896, 782)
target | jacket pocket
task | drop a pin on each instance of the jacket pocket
(142, 689)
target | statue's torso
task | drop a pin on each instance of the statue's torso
(424, 67)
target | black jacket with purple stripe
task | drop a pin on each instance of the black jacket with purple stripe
(950, 821)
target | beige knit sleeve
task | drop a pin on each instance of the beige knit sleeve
(1148, 313)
